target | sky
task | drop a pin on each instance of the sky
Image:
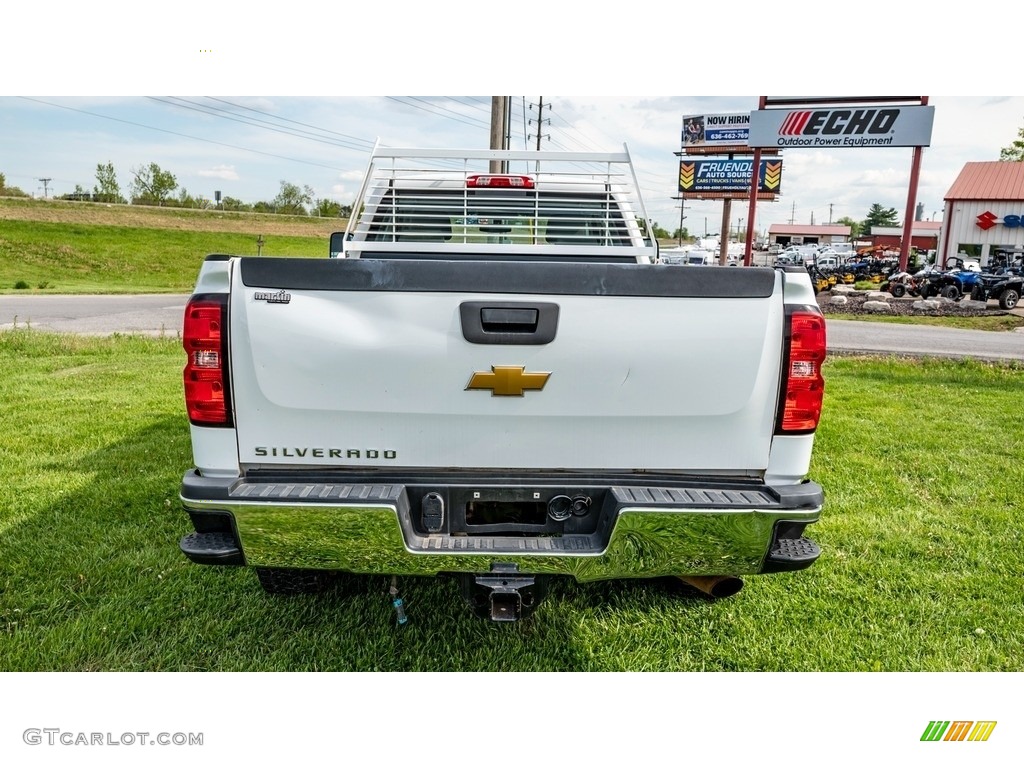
(261, 100)
(245, 146)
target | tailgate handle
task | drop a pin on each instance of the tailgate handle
(508, 322)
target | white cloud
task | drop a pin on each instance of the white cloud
(226, 172)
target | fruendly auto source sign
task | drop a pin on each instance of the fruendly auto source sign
(703, 176)
(843, 127)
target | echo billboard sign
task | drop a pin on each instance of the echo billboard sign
(844, 127)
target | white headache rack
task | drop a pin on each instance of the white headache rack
(489, 203)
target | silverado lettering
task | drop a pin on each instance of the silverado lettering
(320, 453)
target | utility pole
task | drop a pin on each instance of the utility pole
(682, 207)
(507, 137)
(725, 230)
(46, 191)
(792, 216)
(830, 212)
(540, 121)
(499, 121)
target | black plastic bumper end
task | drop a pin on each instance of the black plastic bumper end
(791, 555)
(216, 548)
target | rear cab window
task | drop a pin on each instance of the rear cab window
(506, 216)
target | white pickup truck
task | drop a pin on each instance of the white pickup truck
(496, 380)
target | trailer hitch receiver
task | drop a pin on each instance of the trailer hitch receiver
(504, 594)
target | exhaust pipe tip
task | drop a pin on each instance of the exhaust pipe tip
(715, 586)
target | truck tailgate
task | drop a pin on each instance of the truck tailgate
(372, 363)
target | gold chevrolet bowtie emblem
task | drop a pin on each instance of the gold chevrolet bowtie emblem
(509, 380)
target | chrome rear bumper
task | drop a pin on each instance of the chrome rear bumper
(635, 531)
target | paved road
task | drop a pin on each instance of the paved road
(96, 315)
(162, 315)
(858, 336)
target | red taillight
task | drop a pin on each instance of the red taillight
(488, 180)
(802, 384)
(205, 341)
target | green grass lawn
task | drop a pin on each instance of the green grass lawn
(92, 258)
(984, 323)
(923, 552)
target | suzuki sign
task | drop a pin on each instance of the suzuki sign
(987, 220)
(846, 127)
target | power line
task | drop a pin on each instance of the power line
(587, 143)
(458, 115)
(433, 109)
(224, 115)
(369, 144)
(183, 135)
(472, 105)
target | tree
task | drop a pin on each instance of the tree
(234, 204)
(854, 226)
(185, 199)
(659, 232)
(328, 209)
(879, 217)
(10, 191)
(79, 194)
(332, 209)
(1014, 152)
(107, 190)
(152, 185)
(293, 200)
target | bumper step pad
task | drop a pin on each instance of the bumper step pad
(791, 555)
(212, 549)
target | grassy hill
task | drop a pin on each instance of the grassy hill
(70, 247)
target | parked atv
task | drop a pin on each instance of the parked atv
(956, 284)
(929, 283)
(1007, 291)
(903, 283)
(982, 290)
